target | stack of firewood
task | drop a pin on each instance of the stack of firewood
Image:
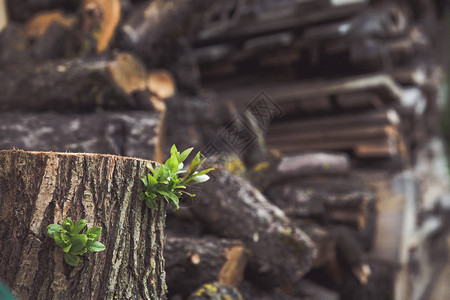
(318, 115)
(353, 158)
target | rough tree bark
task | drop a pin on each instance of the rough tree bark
(232, 208)
(41, 188)
(102, 82)
(134, 133)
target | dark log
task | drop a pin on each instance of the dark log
(380, 117)
(380, 284)
(191, 262)
(76, 85)
(136, 134)
(258, 18)
(150, 30)
(182, 223)
(337, 200)
(14, 46)
(42, 188)
(351, 252)
(232, 208)
(195, 121)
(323, 238)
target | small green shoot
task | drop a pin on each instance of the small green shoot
(74, 243)
(166, 181)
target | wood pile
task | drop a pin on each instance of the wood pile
(318, 115)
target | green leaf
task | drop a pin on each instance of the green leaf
(174, 198)
(151, 203)
(174, 204)
(144, 180)
(94, 232)
(174, 151)
(142, 196)
(163, 193)
(58, 240)
(151, 180)
(96, 247)
(78, 244)
(68, 224)
(71, 259)
(51, 229)
(195, 164)
(158, 172)
(199, 179)
(79, 226)
(189, 194)
(172, 163)
(67, 248)
(65, 238)
(203, 172)
(80, 252)
(185, 154)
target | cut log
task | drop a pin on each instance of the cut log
(289, 91)
(76, 85)
(135, 134)
(99, 19)
(232, 208)
(191, 262)
(42, 188)
(150, 30)
(372, 134)
(333, 200)
(380, 117)
(258, 18)
(313, 164)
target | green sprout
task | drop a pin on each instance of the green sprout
(166, 181)
(69, 239)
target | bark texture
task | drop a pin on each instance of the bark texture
(232, 208)
(103, 82)
(38, 189)
(135, 134)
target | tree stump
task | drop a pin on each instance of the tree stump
(42, 188)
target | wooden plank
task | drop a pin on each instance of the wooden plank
(294, 90)
(331, 134)
(377, 117)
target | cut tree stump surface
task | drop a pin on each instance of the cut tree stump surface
(41, 188)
